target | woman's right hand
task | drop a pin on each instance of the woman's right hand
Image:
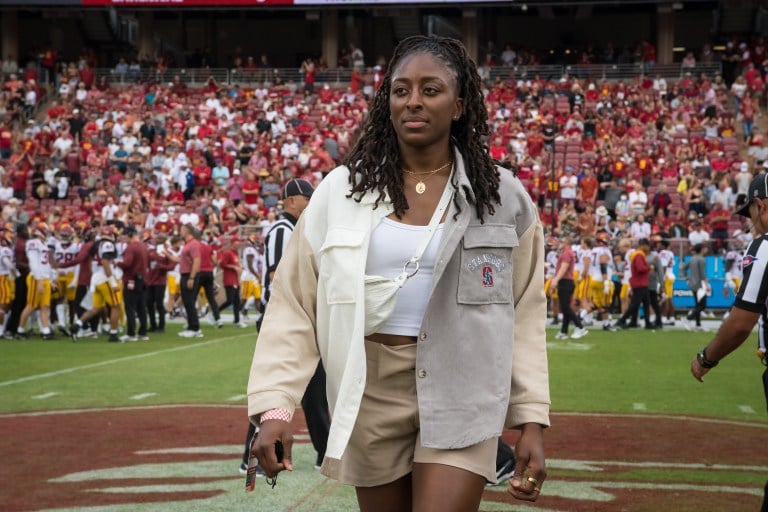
(270, 432)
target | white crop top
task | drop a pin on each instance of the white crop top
(392, 245)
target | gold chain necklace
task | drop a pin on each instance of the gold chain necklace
(420, 186)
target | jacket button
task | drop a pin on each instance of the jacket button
(422, 373)
(423, 336)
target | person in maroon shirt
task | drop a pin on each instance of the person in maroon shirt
(641, 271)
(231, 269)
(135, 265)
(189, 268)
(157, 275)
(207, 263)
(22, 265)
(718, 223)
(563, 283)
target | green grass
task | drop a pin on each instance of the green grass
(178, 370)
(605, 372)
(653, 368)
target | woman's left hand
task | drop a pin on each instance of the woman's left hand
(531, 469)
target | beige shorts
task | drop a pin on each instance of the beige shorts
(385, 441)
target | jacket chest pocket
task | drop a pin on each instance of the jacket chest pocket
(485, 274)
(341, 265)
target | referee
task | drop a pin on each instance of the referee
(752, 298)
(296, 196)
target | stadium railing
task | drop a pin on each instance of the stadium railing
(338, 76)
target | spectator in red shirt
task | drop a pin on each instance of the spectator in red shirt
(251, 192)
(202, 174)
(718, 222)
(498, 150)
(588, 185)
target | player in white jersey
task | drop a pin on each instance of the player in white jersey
(667, 261)
(581, 292)
(734, 269)
(8, 274)
(250, 278)
(600, 274)
(173, 251)
(626, 250)
(40, 282)
(105, 286)
(65, 250)
(550, 266)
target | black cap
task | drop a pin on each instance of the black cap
(130, 231)
(757, 189)
(298, 187)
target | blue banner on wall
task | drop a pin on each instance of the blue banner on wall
(682, 296)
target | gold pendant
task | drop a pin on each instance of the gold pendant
(420, 187)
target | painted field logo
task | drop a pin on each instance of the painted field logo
(488, 277)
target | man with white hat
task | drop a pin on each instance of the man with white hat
(749, 308)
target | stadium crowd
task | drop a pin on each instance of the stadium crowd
(606, 161)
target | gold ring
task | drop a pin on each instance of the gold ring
(533, 481)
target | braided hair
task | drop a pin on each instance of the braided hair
(374, 161)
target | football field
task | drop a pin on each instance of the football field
(159, 426)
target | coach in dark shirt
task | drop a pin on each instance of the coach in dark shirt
(135, 265)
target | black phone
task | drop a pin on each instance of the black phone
(279, 451)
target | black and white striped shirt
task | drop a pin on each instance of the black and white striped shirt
(753, 292)
(274, 246)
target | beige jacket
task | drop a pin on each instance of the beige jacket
(481, 360)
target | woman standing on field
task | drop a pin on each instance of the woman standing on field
(416, 275)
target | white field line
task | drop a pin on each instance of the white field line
(639, 406)
(746, 409)
(598, 465)
(44, 395)
(57, 412)
(694, 419)
(142, 396)
(681, 417)
(73, 369)
(237, 398)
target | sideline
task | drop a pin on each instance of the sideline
(119, 360)
(680, 417)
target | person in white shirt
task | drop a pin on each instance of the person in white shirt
(61, 146)
(289, 148)
(568, 185)
(638, 199)
(109, 210)
(508, 56)
(697, 234)
(6, 191)
(723, 195)
(129, 142)
(189, 217)
(81, 94)
(640, 228)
